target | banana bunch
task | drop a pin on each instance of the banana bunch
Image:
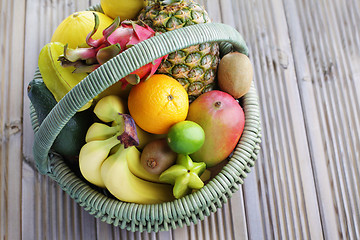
(109, 152)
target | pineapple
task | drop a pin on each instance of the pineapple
(194, 67)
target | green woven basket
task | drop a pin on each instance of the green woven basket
(155, 217)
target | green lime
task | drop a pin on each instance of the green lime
(185, 137)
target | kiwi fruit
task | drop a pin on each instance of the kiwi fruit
(157, 156)
(235, 74)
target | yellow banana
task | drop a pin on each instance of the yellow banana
(109, 107)
(100, 131)
(127, 187)
(92, 156)
(146, 137)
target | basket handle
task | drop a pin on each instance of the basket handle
(119, 67)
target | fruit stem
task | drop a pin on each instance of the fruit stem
(112, 142)
(128, 137)
(114, 130)
(170, 97)
(151, 163)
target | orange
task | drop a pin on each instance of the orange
(158, 103)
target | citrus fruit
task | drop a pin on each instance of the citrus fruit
(125, 9)
(158, 103)
(185, 137)
(74, 29)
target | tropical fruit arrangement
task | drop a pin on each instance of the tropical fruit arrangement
(162, 131)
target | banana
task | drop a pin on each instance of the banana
(146, 137)
(104, 161)
(109, 107)
(100, 131)
(91, 157)
(125, 186)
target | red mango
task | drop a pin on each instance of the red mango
(222, 119)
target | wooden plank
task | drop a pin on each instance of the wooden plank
(32, 227)
(55, 215)
(329, 50)
(28, 213)
(285, 183)
(88, 225)
(238, 223)
(313, 129)
(32, 46)
(12, 48)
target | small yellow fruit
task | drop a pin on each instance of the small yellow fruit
(235, 74)
(74, 29)
(125, 9)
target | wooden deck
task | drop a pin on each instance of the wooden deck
(306, 183)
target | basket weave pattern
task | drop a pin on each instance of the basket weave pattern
(155, 217)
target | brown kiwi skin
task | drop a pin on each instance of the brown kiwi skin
(235, 74)
(157, 156)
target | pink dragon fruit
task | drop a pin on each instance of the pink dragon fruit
(118, 37)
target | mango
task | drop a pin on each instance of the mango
(222, 119)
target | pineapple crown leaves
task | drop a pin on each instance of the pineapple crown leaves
(116, 38)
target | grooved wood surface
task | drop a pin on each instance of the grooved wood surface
(306, 182)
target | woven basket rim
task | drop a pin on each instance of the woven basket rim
(177, 213)
(107, 208)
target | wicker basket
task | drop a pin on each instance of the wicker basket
(155, 217)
